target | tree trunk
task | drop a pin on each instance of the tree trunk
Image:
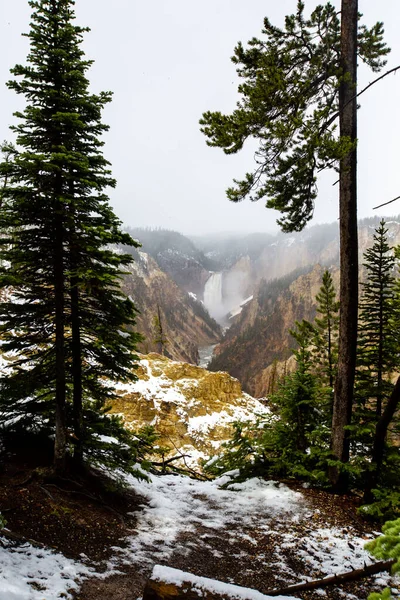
(77, 373)
(60, 442)
(379, 441)
(379, 394)
(76, 345)
(343, 398)
(330, 359)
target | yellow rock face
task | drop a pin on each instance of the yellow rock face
(193, 409)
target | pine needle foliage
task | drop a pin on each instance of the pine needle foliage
(289, 103)
(385, 547)
(377, 360)
(293, 441)
(326, 327)
(64, 319)
(377, 347)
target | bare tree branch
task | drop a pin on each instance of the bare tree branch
(336, 115)
(377, 567)
(385, 203)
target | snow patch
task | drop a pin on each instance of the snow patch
(179, 504)
(29, 573)
(237, 311)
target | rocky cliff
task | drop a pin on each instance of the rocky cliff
(177, 256)
(186, 325)
(254, 270)
(258, 343)
(246, 260)
(191, 408)
(260, 334)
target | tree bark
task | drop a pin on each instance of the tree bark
(379, 441)
(76, 344)
(60, 442)
(77, 373)
(343, 397)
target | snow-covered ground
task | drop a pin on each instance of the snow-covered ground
(181, 517)
(29, 573)
(179, 504)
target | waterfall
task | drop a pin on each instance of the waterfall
(213, 296)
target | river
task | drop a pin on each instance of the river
(205, 355)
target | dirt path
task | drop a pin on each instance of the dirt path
(258, 534)
(319, 535)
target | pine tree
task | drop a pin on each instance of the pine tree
(377, 346)
(296, 443)
(280, 444)
(326, 332)
(291, 79)
(377, 359)
(298, 398)
(66, 321)
(160, 338)
(7, 150)
(298, 82)
(385, 547)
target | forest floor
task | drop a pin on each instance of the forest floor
(104, 544)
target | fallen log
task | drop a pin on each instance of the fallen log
(167, 583)
(366, 571)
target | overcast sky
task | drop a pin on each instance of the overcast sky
(167, 61)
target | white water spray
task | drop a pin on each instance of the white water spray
(213, 296)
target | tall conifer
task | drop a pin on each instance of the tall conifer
(296, 83)
(377, 357)
(377, 347)
(326, 330)
(66, 321)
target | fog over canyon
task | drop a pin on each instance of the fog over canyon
(232, 298)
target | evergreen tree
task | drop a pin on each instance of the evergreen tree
(377, 346)
(326, 333)
(291, 80)
(302, 432)
(7, 150)
(377, 360)
(160, 338)
(66, 321)
(292, 443)
(297, 83)
(297, 396)
(352, 42)
(386, 547)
